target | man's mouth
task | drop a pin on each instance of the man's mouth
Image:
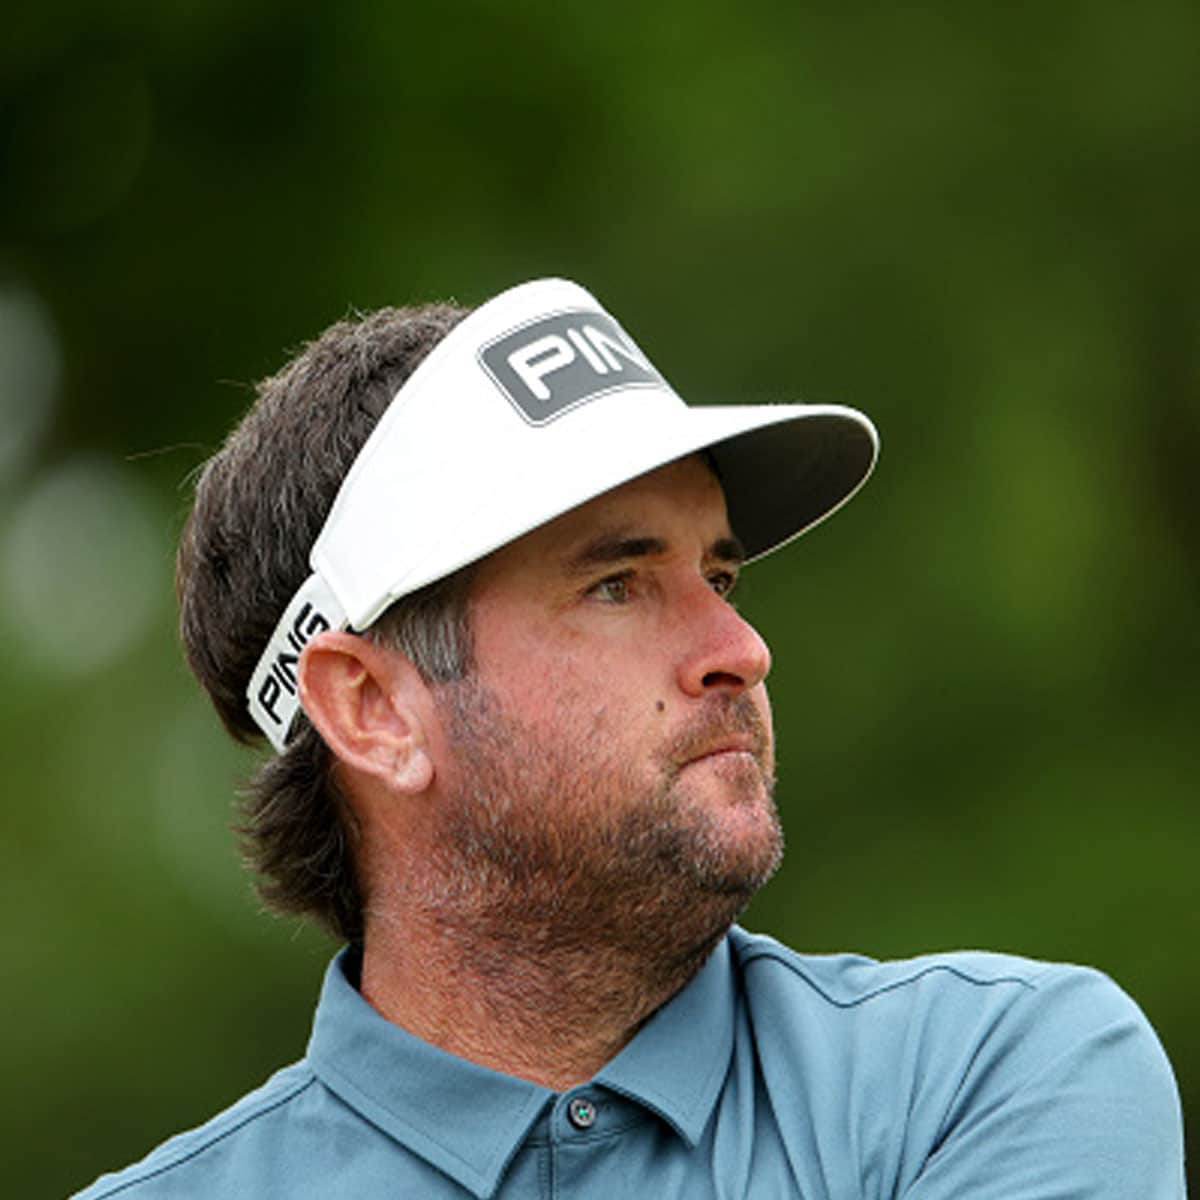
(735, 744)
(728, 730)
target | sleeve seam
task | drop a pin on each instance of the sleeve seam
(207, 1144)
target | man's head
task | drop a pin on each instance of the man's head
(535, 412)
(605, 767)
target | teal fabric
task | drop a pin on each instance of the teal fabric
(951, 1077)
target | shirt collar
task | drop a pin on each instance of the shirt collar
(469, 1121)
(661, 1068)
(463, 1118)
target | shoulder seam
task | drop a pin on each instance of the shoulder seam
(919, 972)
(208, 1143)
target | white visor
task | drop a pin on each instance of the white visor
(534, 403)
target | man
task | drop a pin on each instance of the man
(525, 771)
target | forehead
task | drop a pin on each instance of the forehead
(678, 503)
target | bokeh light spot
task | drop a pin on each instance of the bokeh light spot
(83, 567)
(30, 368)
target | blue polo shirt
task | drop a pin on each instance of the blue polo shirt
(952, 1077)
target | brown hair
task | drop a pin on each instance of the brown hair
(260, 503)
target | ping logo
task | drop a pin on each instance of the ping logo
(281, 672)
(558, 362)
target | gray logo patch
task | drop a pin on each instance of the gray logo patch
(558, 362)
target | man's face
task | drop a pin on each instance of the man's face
(613, 743)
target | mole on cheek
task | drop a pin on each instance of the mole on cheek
(660, 706)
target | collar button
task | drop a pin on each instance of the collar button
(581, 1113)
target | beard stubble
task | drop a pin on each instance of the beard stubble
(551, 841)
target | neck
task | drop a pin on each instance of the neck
(525, 1000)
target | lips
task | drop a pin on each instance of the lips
(738, 744)
(734, 729)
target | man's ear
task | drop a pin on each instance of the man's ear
(369, 703)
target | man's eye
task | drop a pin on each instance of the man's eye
(723, 582)
(614, 589)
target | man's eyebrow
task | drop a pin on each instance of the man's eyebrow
(611, 548)
(728, 549)
(614, 547)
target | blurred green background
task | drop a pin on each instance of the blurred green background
(979, 223)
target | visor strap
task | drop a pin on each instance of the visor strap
(273, 696)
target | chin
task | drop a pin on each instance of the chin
(734, 850)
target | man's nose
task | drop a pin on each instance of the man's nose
(722, 650)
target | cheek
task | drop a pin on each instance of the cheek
(564, 701)
(564, 686)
